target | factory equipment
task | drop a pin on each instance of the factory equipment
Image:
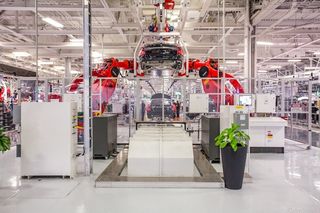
(48, 139)
(104, 135)
(210, 129)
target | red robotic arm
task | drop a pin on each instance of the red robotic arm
(109, 69)
(210, 69)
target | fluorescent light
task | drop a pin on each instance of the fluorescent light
(52, 22)
(275, 67)
(97, 60)
(312, 68)
(75, 72)
(45, 62)
(96, 54)
(294, 60)
(59, 67)
(316, 53)
(231, 62)
(76, 40)
(262, 71)
(240, 54)
(21, 54)
(266, 43)
(173, 17)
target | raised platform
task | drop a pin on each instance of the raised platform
(111, 176)
(138, 123)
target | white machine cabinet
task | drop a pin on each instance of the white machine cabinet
(199, 103)
(267, 134)
(266, 103)
(48, 139)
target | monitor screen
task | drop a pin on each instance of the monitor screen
(245, 100)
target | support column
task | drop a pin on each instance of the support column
(248, 50)
(223, 83)
(138, 100)
(184, 94)
(67, 70)
(253, 62)
(87, 75)
(36, 15)
(309, 114)
(282, 97)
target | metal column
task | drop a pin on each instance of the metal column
(223, 90)
(162, 106)
(309, 114)
(137, 102)
(184, 94)
(37, 50)
(247, 48)
(253, 62)
(282, 97)
(67, 70)
(87, 111)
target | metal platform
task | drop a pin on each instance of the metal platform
(111, 176)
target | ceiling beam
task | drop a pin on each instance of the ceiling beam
(291, 50)
(25, 38)
(65, 8)
(292, 11)
(270, 7)
(114, 20)
(204, 9)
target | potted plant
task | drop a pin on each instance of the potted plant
(233, 144)
(4, 141)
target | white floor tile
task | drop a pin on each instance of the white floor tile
(281, 183)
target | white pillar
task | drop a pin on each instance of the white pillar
(67, 70)
(247, 49)
(87, 77)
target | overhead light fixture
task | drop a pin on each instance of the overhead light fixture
(45, 62)
(52, 22)
(294, 60)
(75, 72)
(262, 71)
(316, 53)
(312, 68)
(76, 40)
(97, 60)
(266, 43)
(231, 62)
(58, 67)
(21, 54)
(240, 54)
(275, 67)
(96, 54)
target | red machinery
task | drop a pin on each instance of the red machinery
(210, 69)
(109, 69)
(207, 69)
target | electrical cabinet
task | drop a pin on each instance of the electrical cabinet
(210, 129)
(104, 135)
(48, 138)
(266, 103)
(199, 103)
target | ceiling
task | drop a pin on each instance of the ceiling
(291, 29)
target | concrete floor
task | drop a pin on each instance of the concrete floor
(280, 183)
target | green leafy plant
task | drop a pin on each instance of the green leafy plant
(5, 142)
(232, 136)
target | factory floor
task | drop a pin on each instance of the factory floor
(287, 182)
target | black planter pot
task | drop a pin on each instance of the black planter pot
(233, 166)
